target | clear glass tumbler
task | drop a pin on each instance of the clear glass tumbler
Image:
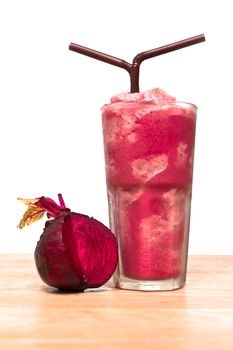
(149, 149)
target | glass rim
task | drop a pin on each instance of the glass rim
(160, 104)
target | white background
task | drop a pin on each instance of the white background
(50, 134)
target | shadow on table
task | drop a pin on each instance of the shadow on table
(104, 288)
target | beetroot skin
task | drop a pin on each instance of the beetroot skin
(75, 251)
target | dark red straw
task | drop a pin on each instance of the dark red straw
(133, 68)
(100, 56)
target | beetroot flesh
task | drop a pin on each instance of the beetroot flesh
(92, 248)
(75, 251)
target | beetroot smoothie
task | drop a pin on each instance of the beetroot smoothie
(149, 147)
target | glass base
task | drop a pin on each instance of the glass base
(150, 286)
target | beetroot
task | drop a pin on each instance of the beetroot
(75, 251)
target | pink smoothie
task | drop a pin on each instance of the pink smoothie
(149, 147)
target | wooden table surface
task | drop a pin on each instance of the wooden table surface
(199, 316)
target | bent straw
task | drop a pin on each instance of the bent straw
(100, 56)
(133, 68)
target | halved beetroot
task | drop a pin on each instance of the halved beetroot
(75, 251)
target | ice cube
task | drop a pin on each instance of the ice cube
(182, 155)
(158, 95)
(128, 97)
(145, 168)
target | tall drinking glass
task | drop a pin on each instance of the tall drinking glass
(149, 149)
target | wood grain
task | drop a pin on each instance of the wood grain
(199, 316)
